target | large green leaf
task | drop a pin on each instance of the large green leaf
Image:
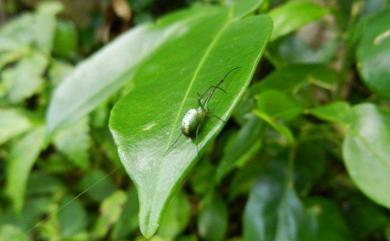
(274, 212)
(367, 154)
(104, 73)
(23, 154)
(373, 53)
(146, 122)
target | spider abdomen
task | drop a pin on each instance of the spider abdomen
(192, 121)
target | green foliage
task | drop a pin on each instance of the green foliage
(294, 147)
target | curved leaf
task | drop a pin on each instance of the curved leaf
(100, 76)
(367, 154)
(293, 15)
(146, 122)
(373, 54)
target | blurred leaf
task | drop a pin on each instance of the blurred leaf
(338, 112)
(110, 212)
(244, 179)
(245, 7)
(278, 105)
(309, 164)
(9, 232)
(85, 88)
(292, 78)
(72, 217)
(328, 220)
(128, 221)
(218, 44)
(276, 108)
(12, 123)
(24, 79)
(74, 142)
(98, 183)
(200, 180)
(246, 144)
(293, 15)
(364, 217)
(43, 183)
(274, 212)
(213, 218)
(373, 54)
(175, 217)
(23, 154)
(366, 152)
(44, 24)
(58, 71)
(65, 40)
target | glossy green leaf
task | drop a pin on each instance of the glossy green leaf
(24, 79)
(373, 53)
(12, 123)
(213, 218)
(245, 145)
(146, 122)
(23, 154)
(274, 212)
(293, 15)
(175, 217)
(96, 79)
(74, 142)
(338, 112)
(110, 212)
(367, 154)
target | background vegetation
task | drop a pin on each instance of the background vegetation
(304, 154)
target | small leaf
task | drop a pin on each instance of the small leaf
(24, 79)
(367, 154)
(110, 212)
(293, 15)
(23, 154)
(146, 122)
(213, 218)
(12, 123)
(72, 217)
(274, 212)
(338, 112)
(373, 53)
(291, 78)
(74, 142)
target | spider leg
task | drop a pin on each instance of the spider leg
(217, 117)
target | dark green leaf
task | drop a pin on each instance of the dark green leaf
(146, 122)
(213, 219)
(246, 144)
(274, 212)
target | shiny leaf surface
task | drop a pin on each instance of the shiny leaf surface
(146, 122)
